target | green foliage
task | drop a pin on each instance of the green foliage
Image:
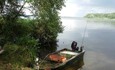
(16, 54)
(48, 22)
(18, 32)
(101, 15)
(21, 37)
(16, 35)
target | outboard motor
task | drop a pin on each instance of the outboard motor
(74, 46)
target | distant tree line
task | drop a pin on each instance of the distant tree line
(101, 15)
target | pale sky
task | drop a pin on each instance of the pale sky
(79, 8)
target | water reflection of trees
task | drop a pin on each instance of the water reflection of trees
(101, 20)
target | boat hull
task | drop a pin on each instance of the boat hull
(75, 63)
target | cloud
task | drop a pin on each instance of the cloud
(103, 3)
(87, 1)
(76, 8)
(99, 3)
(70, 10)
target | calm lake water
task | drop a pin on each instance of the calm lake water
(99, 41)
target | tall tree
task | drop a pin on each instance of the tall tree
(25, 35)
(48, 21)
(16, 33)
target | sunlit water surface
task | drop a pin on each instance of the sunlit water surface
(99, 41)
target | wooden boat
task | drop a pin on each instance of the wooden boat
(61, 60)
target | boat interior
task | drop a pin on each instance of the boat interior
(57, 58)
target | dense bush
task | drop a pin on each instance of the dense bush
(21, 55)
(22, 38)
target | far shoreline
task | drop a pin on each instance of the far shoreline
(104, 16)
